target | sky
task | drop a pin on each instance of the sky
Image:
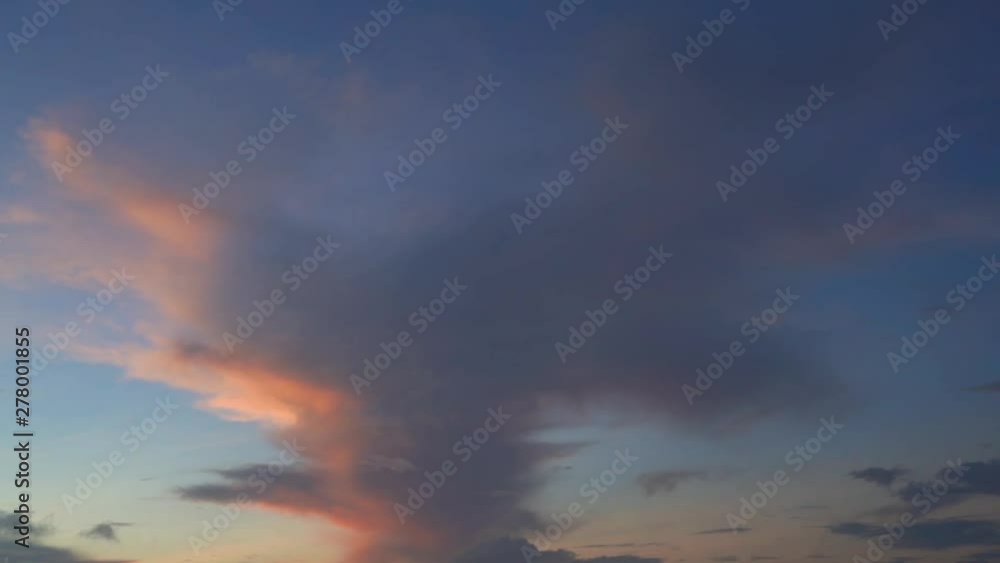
(553, 282)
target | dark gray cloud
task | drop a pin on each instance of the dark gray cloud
(39, 552)
(105, 531)
(987, 388)
(508, 550)
(978, 478)
(879, 475)
(737, 530)
(981, 557)
(622, 545)
(857, 529)
(933, 534)
(13, 554)
(293, 485)
(981, 478)
(39, 527)
(665, 481)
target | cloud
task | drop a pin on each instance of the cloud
(396, 464)
(738, 530)
(506, 550)
(293, 376)
(879, 475)
(39, 552)
(987, 387)
(493, 346)
(980, 557)
(38, 527)
(979, 478)
(48, 554)
(104, 531)
(665, 481)
(856, 529)
(20, 215)
(933, 534)
(622, 545)
(300, 385)
(308, 490)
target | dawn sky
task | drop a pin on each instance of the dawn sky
(489, 282)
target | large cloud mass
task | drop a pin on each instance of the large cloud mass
(493, 346)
